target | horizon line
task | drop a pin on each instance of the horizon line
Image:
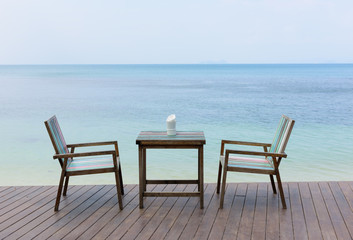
(53, 64)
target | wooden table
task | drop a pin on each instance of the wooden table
(160, 140)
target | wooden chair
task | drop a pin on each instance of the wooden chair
(73, 164)
(266, 162)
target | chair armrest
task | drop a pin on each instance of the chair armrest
(224, 142)
(85, 154)
(246, 143)
(92, 144)
(266, 154)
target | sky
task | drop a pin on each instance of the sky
(175, 32)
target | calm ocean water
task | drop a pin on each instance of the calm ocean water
(116, 102)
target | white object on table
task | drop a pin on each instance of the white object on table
(171, 125)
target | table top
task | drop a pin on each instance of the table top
(161, 137)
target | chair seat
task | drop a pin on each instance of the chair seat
(90, 164)
(248, 163)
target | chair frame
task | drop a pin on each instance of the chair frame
(63, 159)
(276, 159)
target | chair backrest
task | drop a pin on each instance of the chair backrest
(282, 135)
(56, 135)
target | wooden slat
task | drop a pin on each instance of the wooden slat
(143, 220)
(109, 218)
(51, 217)
(97, 205)
(260, 213)
(125, 226)
(299, 226)
(86, 219)
(322, 214)
(10, 209)
(120, 223)
(209, 217)
(179, 224)
(14, 196)
(223, 214)
(285, 218)
(311, 220)
(348, 193)
(343, 206)
(102, 216)
(2, 188)
(41, 214)
(251, 211)
(159, 216)
(7, 190)
(247, 220)
(235, 215)
(197, 216)
(351, 185)
(272, 217)
(26, 208)
(334, 213)
(73, 214)
(172, 216)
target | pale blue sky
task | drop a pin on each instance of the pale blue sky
(179, 31)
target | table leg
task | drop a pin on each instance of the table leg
(201, 175)
(141, 170)
(144, 169)
(198, 171)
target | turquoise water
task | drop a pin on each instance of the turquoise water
(116, 102)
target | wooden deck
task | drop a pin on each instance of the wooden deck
(316, 210)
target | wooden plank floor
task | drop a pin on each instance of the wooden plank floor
(316, 210)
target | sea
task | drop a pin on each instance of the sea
(226, 101)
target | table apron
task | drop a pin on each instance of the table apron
(171, 194)
(182, 181)
(171, 146)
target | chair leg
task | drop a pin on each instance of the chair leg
(280, 188)
(273, 184)
(219, 176)
(66, 185)
(118, 188)
(121, 180)
(56, 208)
(223, 186)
